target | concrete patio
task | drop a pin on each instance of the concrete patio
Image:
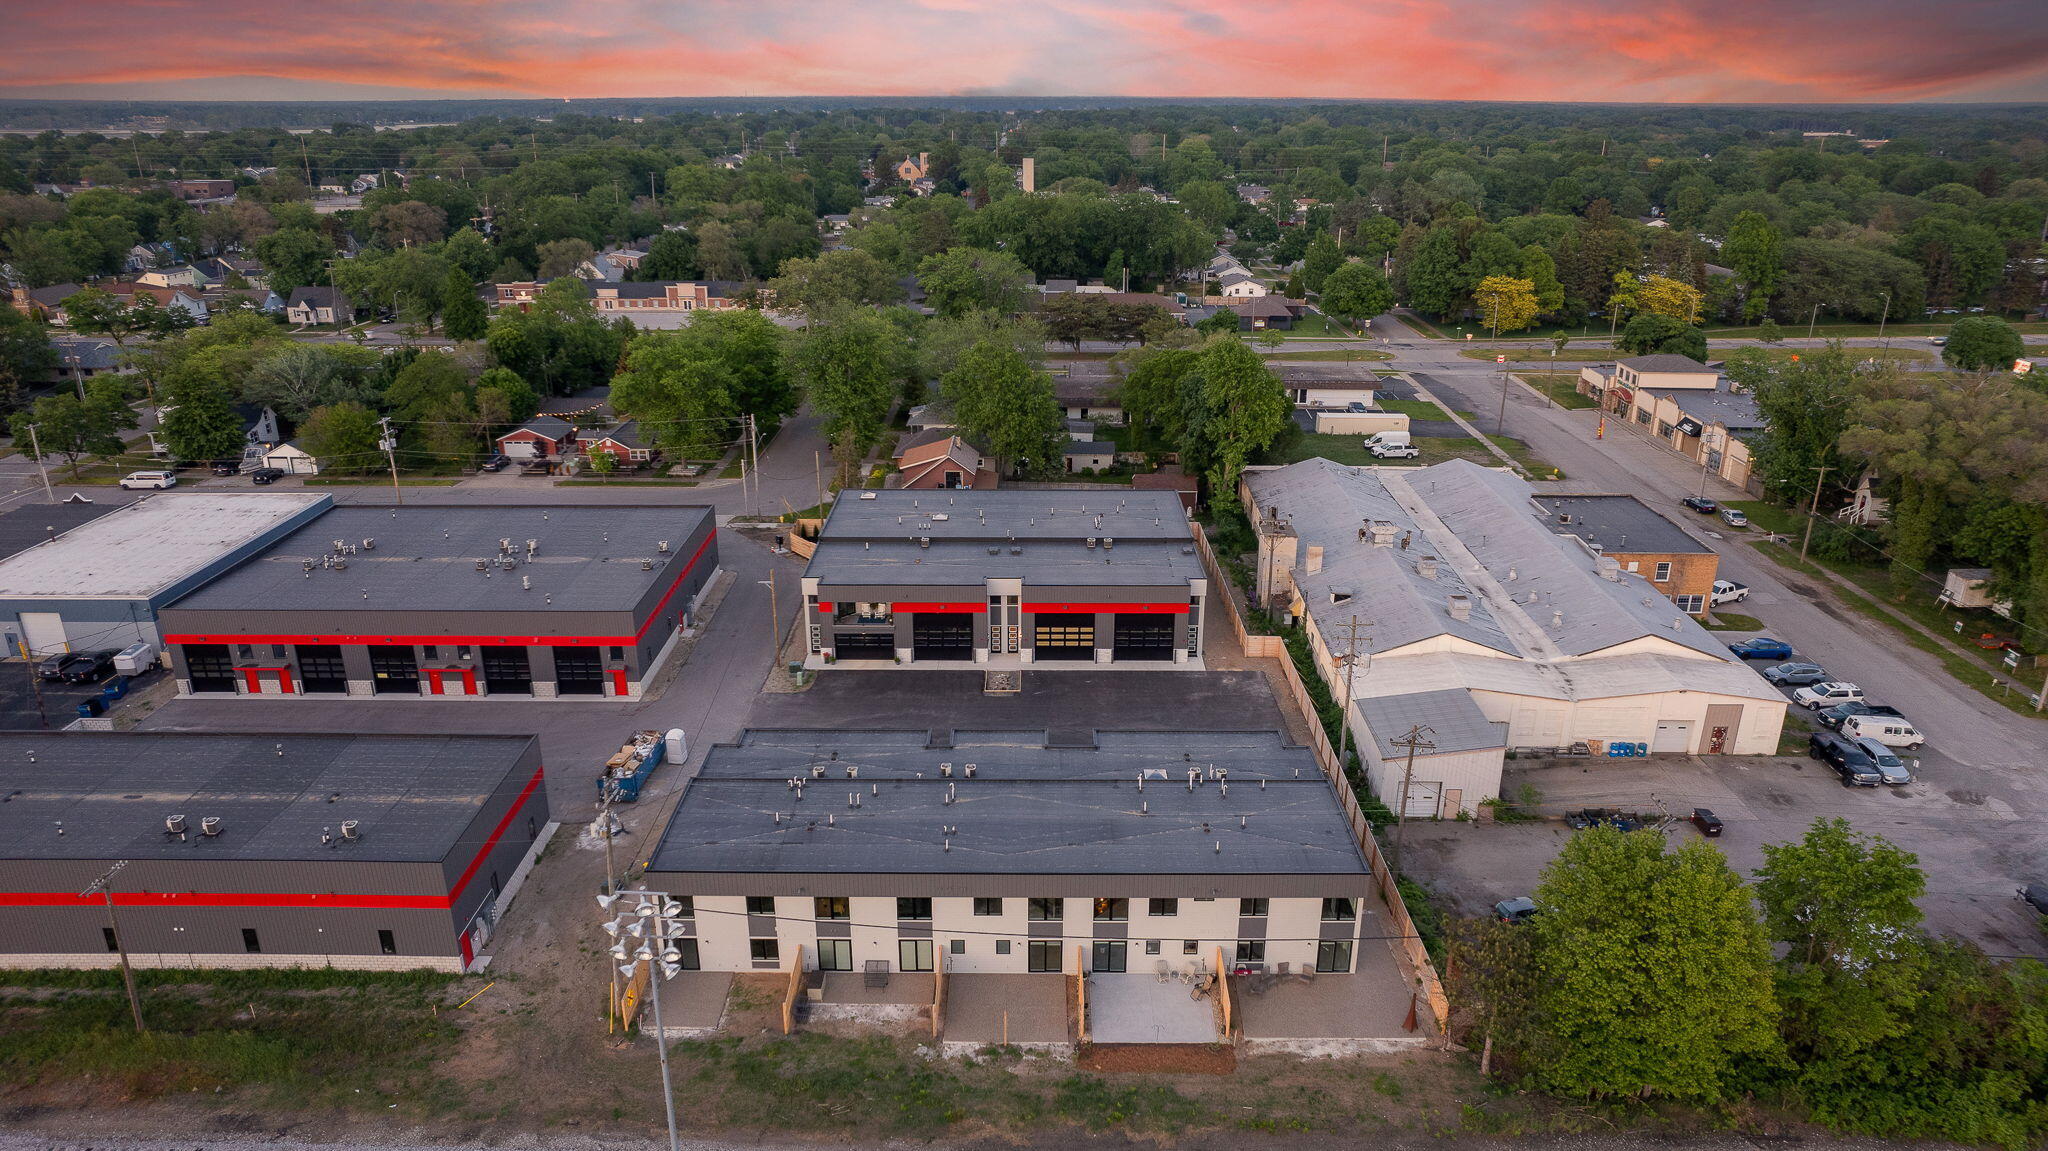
(693, 1003)
(1140, 1009)
(1024, 1010)
(1334, 1014)
(846, 996)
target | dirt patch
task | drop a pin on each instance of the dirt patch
(1158, 1058)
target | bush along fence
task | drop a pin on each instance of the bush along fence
(1421, 968)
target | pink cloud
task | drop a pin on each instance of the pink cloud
(1610, 50)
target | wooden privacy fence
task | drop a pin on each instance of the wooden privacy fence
(795, 988)
(1409, 943)
(1223, 997)
(938, 998)
(1081, 991)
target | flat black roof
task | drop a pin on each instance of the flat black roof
(26, 526)
(1617, 524)
(106, 795)
(1028, 807)
(424, 557)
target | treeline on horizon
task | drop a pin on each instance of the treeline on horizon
(1473, 116)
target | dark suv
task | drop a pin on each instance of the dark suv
(1834, 716)
(1849, 761)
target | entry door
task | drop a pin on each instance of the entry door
(1110, 955)
(43, 631)
(914, 954)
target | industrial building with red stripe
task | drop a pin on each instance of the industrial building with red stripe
(244, 850)
(995, 579)
(450, 602)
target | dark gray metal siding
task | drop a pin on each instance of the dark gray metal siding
(511, 846)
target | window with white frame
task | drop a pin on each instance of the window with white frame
(1691, 604)
(1663, 572)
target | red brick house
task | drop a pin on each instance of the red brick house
(627, 447)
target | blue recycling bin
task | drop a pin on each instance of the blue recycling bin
(91, 708)
(115, 689)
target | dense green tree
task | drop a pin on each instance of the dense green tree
(68, 425)
(343, 438)
(751, 349)
(1505, 304)
(200, 422)
(681, 394)
(1755, 249)
(469, 251)
(846, 365)
(294, 258)
(1962, 260)
(1005, 407)
(1234, 407)
(1651, 332)
(293, 378)
(962, 280)
(1843, 906)
(834, 280)
(559, 344)
(1655, 974)
(1982, 344)
(1541, 271)
(1435, 281)
(672, 256)
(463, 314)
(558, 258)
(1322, 258)
(26, 356)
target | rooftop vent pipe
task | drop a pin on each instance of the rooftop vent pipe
(1460, 607)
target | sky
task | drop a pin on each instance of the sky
(1860, 51)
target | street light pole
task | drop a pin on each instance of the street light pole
(35, 444)
(1813, 513)
(774, 621)
(104, 885)
(1811, 320)
(1881, 321)
(657, 921)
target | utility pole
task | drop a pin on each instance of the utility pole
(1704, 452)
(1813, 513)
(604, 813)
(1814, 318)
(306, 158)
(104, 885)
(35, 445)
(1417, 737)
(35, 683)
(818, 469)
(389, 443)
(1881, 320)
(774, 621)
(1344, 720)
(754, 449)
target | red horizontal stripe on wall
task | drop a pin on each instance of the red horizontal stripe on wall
(1133, 608)
(942, 608)
(331, 899)
(310, 900)
(475, 640)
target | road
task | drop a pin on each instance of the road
(1983, 761)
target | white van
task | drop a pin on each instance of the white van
(162, 479)
(1888, 730)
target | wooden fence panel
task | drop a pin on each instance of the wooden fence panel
(1421, 969)
(795, 988)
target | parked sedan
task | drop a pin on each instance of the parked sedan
(496, 463)
(52, 666)
(1846, 758)
(1835, 716)
(1762, 647)
(1708, 823)
(1735, 517)
(1701, 504)
(266, 475)
(1796, 674)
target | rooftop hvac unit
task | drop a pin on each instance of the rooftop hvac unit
(867, 495)
(1092, 541)
(1108, 541)
(174, 825)
(661, 546)
(940, 517)
(209, 826)
(351, 829)
(924, 541)
(369, 544)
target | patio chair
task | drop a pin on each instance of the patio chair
(1163, 972)
(1306, 975)
(1284, 965)
(876, 973)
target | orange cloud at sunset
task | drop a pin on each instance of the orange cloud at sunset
(1604, 50)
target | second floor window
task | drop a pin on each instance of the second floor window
(914, 907)
(834, 907)
(1112, 909)
(1046, 909)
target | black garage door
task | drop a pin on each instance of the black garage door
(936, 636)
(208, 667)
(507, 671)
(1063, 636)
(394, 671)
(578, 671)
(1141, 636)
(864, 645)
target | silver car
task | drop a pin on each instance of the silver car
(1889, 765)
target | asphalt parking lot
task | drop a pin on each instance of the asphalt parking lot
(31, 704)
(1968, 843)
